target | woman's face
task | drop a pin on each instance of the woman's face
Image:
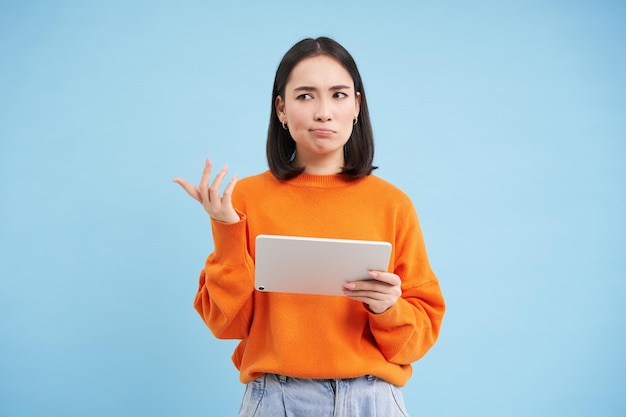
(319, 108)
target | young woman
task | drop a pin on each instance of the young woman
(306, 355)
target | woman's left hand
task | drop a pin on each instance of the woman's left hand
(379, 293)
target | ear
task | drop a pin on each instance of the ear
(357, 105)
(279, 105)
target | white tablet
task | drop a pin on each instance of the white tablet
(319, 266)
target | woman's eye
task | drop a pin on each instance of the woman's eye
(340, 95)
(304, 97)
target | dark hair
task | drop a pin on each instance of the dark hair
(280, 148)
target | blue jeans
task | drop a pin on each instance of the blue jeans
(277, 395)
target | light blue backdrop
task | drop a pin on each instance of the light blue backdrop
(503, 120)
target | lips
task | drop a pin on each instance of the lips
(323, 132)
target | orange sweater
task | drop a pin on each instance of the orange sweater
(309, 336)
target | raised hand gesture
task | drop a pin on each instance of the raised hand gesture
(219, 208)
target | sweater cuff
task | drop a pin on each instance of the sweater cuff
(387, 319)
(230, 241)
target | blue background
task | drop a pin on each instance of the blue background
(503, 120)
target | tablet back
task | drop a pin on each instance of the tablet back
(315, 265)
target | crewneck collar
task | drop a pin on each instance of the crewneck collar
(321, 181)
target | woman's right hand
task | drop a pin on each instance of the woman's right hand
(219, 208)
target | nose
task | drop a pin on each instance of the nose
(322, 111)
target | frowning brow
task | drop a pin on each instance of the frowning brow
(334, 87)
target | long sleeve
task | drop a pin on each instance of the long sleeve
(224, 299)
(407, 330)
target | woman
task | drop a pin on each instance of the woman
(305, 354)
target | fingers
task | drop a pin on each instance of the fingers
(203, 193)
(204, 181)
(222, 208)
(386, 277)
(379, 293)
(214, 190)
(228, 191)
(193, 191)
(377, 278)
(219, 208)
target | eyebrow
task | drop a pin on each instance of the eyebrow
(334, 87)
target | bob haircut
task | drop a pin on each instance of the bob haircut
(358, 151)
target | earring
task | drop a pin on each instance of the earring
(354, 122)
(284, 125)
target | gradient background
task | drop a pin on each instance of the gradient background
(503, 120)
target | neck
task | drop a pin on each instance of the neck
(320, 164)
